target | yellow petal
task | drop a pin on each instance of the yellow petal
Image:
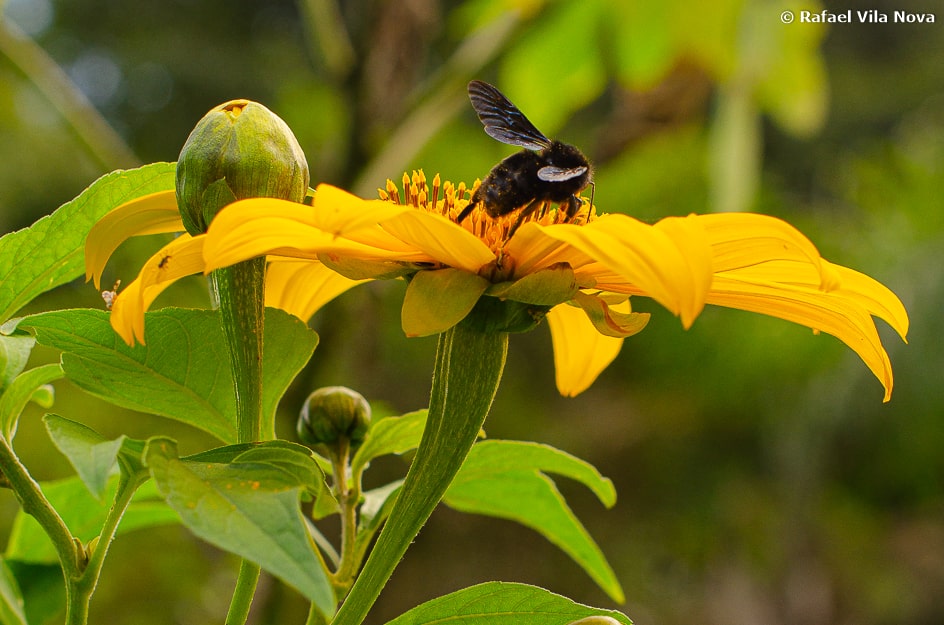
(878, 299)
(580, 352)
(181, 257)
(668, 264)
(611, 318)
(833, 313)
(264, 226)
(744, 239)
(341, 213)
(440, 238)
(533, 250)
(150, 214)
(690, 238)
(303, 287)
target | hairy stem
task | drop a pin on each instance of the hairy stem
(469, 365)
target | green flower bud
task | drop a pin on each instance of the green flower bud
(238, 150)
(332, 413)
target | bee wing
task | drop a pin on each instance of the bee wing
(550, 173)
(502, 119)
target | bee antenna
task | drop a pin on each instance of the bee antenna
(593, 188)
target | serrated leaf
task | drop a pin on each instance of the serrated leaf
(19, 393)
(51, 251)
(501, 603)
(250, 509)
(90, 453)
(390, 435)
(505, 479)
(11, 599)
(182, 372)
(84, 515)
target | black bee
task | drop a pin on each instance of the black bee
(545, 171)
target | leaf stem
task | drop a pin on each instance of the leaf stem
(468, 369)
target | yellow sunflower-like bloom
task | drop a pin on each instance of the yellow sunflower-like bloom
(578, 274)
(288, 283)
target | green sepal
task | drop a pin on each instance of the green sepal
(437, 300)
(494, 315)
(548, 287)
(357, 269)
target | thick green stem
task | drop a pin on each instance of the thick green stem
(469, 365)
(240, 289)
(242, 310)
(36, 505)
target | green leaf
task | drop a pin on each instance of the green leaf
(14, 353)
(92, 456)
(248, 508)
(505, 479)
(390, 435)
(51, 252)
(182, 372)
(437, 300)
(84, 515)
(500, 603)
(19, 393)
(11, 599)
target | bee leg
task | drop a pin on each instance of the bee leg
(465, 212)
(572, 205)
(525, 212)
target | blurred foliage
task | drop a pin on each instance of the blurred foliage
(761, 479)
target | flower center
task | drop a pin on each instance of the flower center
(493, 231)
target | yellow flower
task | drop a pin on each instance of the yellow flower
(158, 213)
(579, 275)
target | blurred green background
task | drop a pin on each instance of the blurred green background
(761, 479)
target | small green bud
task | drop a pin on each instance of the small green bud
(332, 413)
(238, 150)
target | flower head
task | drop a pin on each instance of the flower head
(577, 273)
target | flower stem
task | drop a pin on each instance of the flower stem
(469, 365)
(240, 289)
